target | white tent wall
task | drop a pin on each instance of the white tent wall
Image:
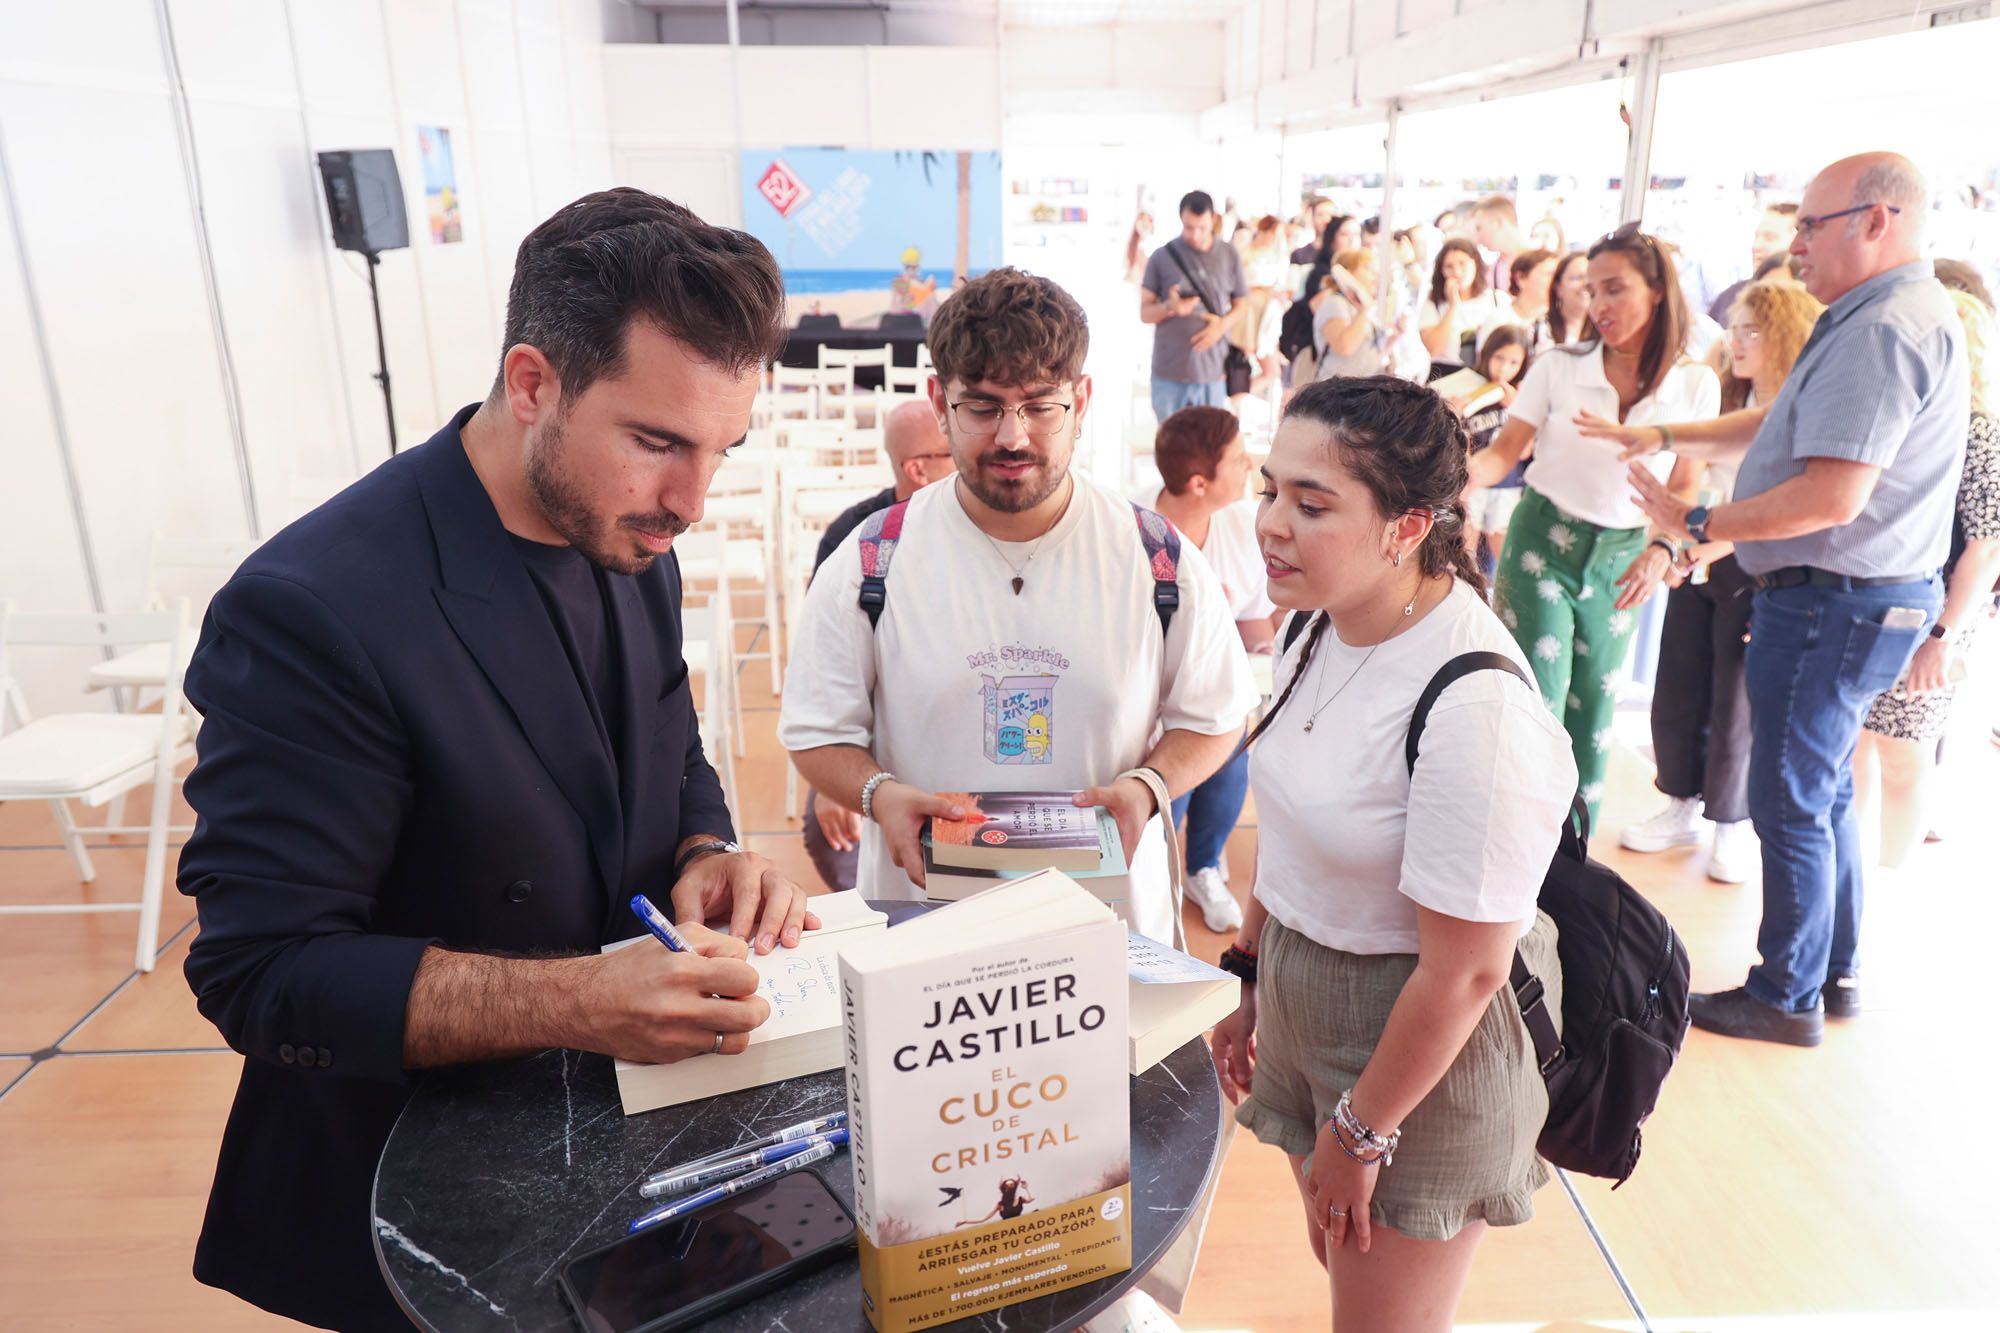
(119, 256)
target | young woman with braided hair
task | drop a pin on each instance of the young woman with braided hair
(1380, 1047)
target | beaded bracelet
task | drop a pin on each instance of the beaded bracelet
(868, 792)
(1366, 1140)
(1239, 963)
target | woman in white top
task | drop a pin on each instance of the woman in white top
(1377, 1039)
(1578, 558)
(1460, 301)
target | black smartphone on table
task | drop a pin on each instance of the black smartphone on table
(682, 1272)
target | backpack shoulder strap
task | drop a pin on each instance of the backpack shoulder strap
(880, 532)
(1527, 987)
(1163, 556)
(1458, 667)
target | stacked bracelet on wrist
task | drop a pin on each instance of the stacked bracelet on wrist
(1358, 1141)
(1239, 963)
(868, 792)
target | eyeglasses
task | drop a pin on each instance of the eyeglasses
(1809, 224)
(981, 416)
(1748, 333)
(927, 457)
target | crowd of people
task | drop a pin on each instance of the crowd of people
(484, 707)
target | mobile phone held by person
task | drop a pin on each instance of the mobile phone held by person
(1904, 617)
(680, 1273)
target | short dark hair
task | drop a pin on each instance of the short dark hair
(1523, 264)
(1009, 327)
(583, 276)
(1197, 202)
(1190, 444)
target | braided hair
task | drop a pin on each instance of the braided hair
(1404, 443)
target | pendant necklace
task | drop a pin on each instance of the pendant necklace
(1020, 570)
(1319, 707)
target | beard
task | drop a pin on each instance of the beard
(566, 507)
(1013, 495)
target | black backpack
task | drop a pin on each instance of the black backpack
(1295, 330)
(1625, 983)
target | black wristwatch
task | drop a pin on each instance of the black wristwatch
(1940, 630)
(701, 849)
(1697, 523)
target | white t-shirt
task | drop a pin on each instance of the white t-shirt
(965, 686)
(1349, 847)
(1537, 329)
(1583, 477)
(1472, 312)
(1232, 554)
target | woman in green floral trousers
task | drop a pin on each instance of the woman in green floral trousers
(1578, 560)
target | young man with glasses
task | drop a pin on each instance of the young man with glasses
(1843, 512)
(1019, 643)
(918, 454)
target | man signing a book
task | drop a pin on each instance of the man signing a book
(1032, 638)
(447, 735)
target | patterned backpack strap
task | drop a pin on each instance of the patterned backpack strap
(879, 533)
(1163, 554)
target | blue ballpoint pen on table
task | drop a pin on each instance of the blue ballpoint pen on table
(678, 1178)
(731, 1188)
(653, 919)
(685, 1179)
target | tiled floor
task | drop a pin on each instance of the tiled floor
(1841, 1188)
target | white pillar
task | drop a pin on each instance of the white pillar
(1639, 132)
(1385, 239)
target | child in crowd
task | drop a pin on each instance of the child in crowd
(1503, 359)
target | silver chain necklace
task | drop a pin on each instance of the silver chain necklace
(1319, 707)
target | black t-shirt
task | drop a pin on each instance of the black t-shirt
(850, 519)
(574, 592)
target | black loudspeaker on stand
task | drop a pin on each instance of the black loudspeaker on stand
(364, 200)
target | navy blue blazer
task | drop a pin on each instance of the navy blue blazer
(395, 752)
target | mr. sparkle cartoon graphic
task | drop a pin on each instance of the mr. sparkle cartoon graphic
(1019, 713)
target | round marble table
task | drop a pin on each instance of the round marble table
(497, 1175)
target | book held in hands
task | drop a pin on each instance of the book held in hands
(988, 1104)
(1022, 830)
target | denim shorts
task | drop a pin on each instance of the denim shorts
(1468, 1150)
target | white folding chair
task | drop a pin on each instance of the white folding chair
(743, 503)
(847, 360)
(715, 565)
(924, 358)
(191, 568)
(707, 646)
(96, 757)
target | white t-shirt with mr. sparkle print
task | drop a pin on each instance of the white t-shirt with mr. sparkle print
(965, 685)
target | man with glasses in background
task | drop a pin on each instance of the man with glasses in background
(1842, 512)
(1014, 640)
(918, 455)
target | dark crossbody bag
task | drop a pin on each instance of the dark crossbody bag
(1236, 368)
(1625, 982)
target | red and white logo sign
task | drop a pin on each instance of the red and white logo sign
(992, 837)
(782, 188)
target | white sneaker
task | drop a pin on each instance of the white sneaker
(1219, 909)
(1735, 854)
(1679, 825)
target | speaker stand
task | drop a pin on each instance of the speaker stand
(381, 348)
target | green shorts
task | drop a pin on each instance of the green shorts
(1468, 1150)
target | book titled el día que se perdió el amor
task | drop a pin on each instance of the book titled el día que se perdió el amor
(988, 1103)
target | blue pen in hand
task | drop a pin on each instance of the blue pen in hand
(653, 919)
(731, 1188)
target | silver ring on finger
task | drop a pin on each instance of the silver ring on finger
(718, 1044)
(1336, 1212)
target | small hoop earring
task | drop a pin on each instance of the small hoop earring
(1396, 558)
